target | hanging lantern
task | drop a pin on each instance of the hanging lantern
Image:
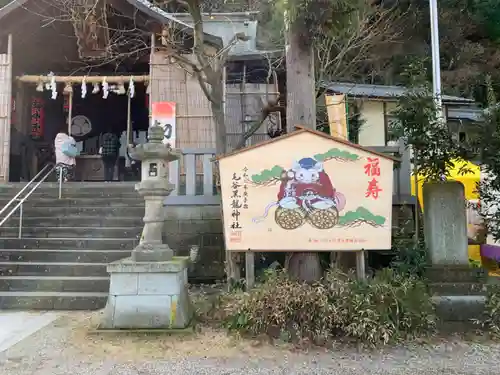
(84, 88)
(95, 88)
(37, 118)
(39, 87)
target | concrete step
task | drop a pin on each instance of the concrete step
(459, 308)
(77, 221)
(69, 256)
(99, 284)
(72, 194)
(72, 232)
(75, 186)
(51, 190)
(69, 243)
(455, 274)
(85, 202)
(457, 289)
(53, 300)
(52, 269)
(92, 210)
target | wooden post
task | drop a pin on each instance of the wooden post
(129, 127)
(333, 259)
(360, 265)
(6, 104)
(243, 103)
(250, 269)
(415, 175)
(151, 57)
(70, 110)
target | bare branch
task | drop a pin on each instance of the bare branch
(267, 109)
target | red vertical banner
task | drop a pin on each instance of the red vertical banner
(37, 118)
(163, 114)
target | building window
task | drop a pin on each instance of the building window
(392, 128)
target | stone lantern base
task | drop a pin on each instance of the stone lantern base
(148, 295)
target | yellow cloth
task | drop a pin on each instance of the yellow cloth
(469, 180)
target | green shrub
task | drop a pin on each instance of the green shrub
(491, 320)
(383, 309)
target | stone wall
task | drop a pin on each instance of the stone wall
(201, 225)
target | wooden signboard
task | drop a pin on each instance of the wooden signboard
(306, 191)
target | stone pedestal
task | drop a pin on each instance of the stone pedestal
(457, 288)
(148, 295)
(149, 289)
(445, 223)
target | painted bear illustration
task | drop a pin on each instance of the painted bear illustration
(306, 185)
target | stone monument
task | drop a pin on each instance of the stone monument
(149, 289)
(445, 223)
(457, 288)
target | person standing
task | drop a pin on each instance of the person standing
(110, 148)
(66, 152)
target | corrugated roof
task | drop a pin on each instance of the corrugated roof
(144, 6)
(381, 91)
(155, 12)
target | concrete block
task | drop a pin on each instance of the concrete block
(122, 284)
(160, 283)
(161, 299)
(148, 311)
(459, 308)
(171, 226)
(445, 223)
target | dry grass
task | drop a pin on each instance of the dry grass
(204, 343)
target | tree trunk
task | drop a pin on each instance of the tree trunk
(301, 110)
(217, 105)
(300, 83)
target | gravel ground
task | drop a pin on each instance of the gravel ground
(67, 347)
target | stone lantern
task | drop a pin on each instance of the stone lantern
(149, 289)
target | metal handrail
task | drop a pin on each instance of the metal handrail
(23, 199)
(25, 187)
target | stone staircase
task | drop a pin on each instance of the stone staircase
(60, 261)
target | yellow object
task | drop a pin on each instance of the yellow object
(173, 310)
(469, 180)
(337, 115)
